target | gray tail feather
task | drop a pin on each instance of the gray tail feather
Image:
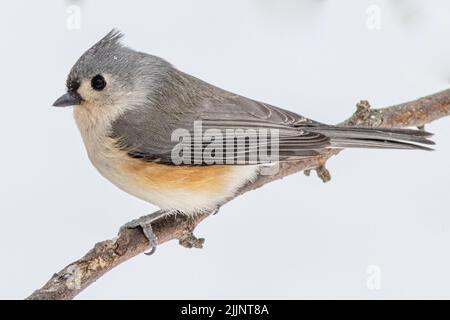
(361, 137)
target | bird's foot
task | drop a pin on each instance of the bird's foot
(187, 239)
(145, 222)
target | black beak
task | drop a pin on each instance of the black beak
(68, 99)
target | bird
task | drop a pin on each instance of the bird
(145, 126)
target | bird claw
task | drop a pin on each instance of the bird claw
(151, 236)
(145, 223)
(187, 240)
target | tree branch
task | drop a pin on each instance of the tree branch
(106, 255)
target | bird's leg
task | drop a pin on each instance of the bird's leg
(188, 239)
(145, 222)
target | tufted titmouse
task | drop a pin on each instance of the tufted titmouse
(132, 108)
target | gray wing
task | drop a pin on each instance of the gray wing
(146, 132)
(181, 101)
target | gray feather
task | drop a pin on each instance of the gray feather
(173, 99)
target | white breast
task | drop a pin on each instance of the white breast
(109, 161)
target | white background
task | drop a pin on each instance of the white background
(295, 238)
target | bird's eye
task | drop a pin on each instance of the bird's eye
(98, 82)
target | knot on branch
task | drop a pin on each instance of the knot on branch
(322, 172)
(365, 116)
(187, 238)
